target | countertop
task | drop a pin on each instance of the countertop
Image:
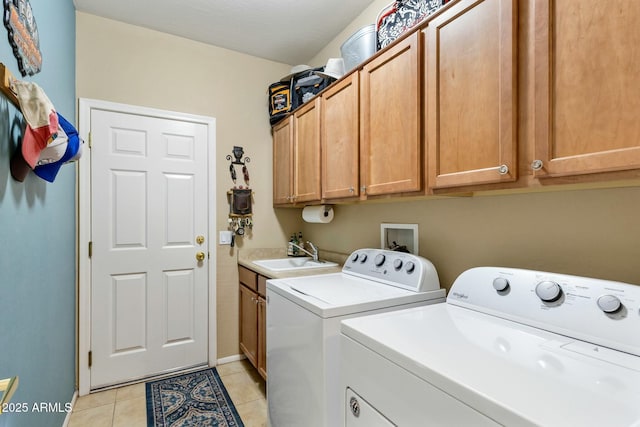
(246, 256)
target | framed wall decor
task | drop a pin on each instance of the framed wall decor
(23, 35)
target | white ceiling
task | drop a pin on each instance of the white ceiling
(288, 31)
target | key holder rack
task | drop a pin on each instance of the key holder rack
(240, 197)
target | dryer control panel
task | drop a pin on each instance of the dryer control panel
(400, 269)
(593, 310)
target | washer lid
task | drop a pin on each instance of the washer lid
(330, 295)
(513, 373)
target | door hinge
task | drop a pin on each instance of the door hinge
(89, 136)
(90, 249)
(90, 358)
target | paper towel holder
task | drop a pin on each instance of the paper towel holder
(327, 209)
(318, 213)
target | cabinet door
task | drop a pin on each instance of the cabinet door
(587, 105)
(391, 119)
(249, 324)
(283, 162)
(471, 75)
(306, 152)
(262, 337)
(340, 139)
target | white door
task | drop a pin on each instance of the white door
(149, 298)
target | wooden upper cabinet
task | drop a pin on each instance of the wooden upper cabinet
(283, 161)
(471, 94)
(306, 152)
(587, 104)
(391, 120)
(340, 139)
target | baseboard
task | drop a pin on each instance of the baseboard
(230, 359)
(73, 403)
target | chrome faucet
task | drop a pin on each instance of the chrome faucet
(314, 249)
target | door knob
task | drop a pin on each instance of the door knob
(200, 256)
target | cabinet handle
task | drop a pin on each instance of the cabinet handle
(536, 165)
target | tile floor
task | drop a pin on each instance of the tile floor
(127, 406)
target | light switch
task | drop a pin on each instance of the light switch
(225, 237)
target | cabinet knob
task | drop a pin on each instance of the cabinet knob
(536, 165)
(352, 190)
(503, 169)
(363, 189)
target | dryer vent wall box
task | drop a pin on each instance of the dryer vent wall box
(402, 237)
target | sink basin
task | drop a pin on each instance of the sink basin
(290, 264)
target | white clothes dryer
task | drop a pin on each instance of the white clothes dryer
(510, 347)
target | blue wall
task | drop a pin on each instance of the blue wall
(38, 237)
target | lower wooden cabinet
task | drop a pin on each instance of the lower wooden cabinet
(262, 336)
(253, 315)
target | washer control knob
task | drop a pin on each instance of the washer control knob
(397, 264)
(354, 257)
(410, 266)
(363, 258)
(500, 284)
(379, 260)
(609, 303)
(548, 291)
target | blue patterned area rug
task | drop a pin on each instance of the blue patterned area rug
(193, 399)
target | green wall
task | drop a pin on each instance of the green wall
(37, 240)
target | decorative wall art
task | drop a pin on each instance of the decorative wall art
(23, 35)
(240, 197)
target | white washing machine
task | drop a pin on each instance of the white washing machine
(510, 347)
(303, 328)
